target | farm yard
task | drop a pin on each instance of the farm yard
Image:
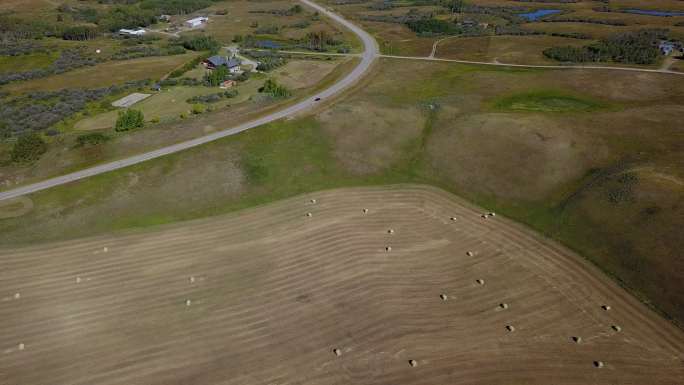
(397, 285)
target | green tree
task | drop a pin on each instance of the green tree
(129, 119)
(271, 87)
(28, 148)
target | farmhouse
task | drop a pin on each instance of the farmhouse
(216, 61)
(196, 22)
(132, 32)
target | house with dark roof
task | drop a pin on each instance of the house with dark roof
(232, 63)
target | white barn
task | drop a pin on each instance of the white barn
(196, 22)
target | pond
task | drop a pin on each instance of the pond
(532, 16)
(654, 13)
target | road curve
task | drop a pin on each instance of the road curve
(368, 56)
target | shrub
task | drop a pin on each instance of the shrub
(198, 109)
(129, 119)
(28, 148)
(213, 98)
(274, 89)
(268, 63)
(91, 139)
(201, 43)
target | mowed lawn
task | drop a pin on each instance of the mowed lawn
(170, 103)
(105, 74)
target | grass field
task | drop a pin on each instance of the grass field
(26, 62)
(561, 173)
(505, 49)
(545, 101)
(105, 74)
(270, 295)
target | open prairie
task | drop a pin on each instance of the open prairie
(400, 294)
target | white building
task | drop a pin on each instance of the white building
(132, 32)
(196, 22)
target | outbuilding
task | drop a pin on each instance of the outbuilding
(196, 22)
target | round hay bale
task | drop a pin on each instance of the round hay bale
(105, 249)
(78, 279)
(337, 352)
(616, 328)
(453, 218)
(413, 363)
(390, 231)
(309, 214)
(313, 201)
(470, 253)
(22, 346)
(365, 211)
(484, 216)
(191, 279)
(605, 307)
(480, 281)
(598, 364)
(492, 214)
(503, 305)
(388, 248)
(510, 328)
(188, 302)
(17, 295)
(443, 297)
(577, 339)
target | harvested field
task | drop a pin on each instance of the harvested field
(269, 295)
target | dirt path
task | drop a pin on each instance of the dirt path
(273, 291)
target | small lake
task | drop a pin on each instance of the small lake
(654, 13)
(532, 16)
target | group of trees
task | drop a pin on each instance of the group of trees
(268, 63)
(68, 60)
(631, 47)
(129, 119)
(28, 148)
(201, 43)
(272, 88)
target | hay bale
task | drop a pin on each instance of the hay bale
(492, 214)
(510, 328)
(22, 346)
(188, 302)
(388, 248)
(577, 339)
(598, 364)
(453, 218)
(470, 253)
(313, 201)
(337, 352)
(365, 211)
(413, 363)
(443, 297)
(390, 231)
(484, 216)
(105, 249)
(17, 295)
(480, 281)
(616, 328)
(503, 305)
(605, 307)
(191, 279)
(309, 214)
(78, 279)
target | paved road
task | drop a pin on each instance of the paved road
(369, 55)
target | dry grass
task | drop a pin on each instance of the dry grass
(105, 74)
(273, 291)
(298, 74)
(505, 49)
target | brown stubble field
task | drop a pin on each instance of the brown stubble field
(273, 291)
